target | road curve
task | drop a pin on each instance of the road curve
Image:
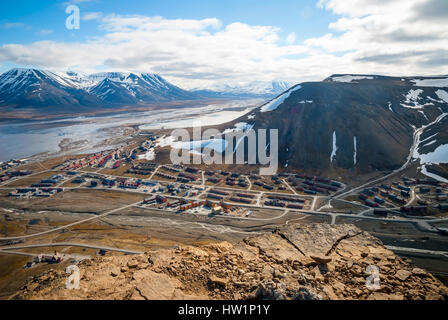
(68, 225)
(70, 244)
(421, 251)
(417, 134)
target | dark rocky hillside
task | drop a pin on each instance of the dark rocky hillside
(381, 113)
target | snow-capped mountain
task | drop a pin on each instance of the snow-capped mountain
(255, 89)
(32, 87)
(118, 87)
(78, 80)
(20, 79)
(280, 86)
(40, 88)
(37, 88)
(113, 92)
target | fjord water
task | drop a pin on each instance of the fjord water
(19, 140)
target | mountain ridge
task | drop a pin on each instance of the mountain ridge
(38, 88)
(22, 88)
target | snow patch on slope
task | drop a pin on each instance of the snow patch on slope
(424, 115)
(443, 95)
(389, 105)
(430, 143)
(432, 175)
(418, 141)
(413, 95)
(429, 138)
(437, 83)
(275, 103)
(216, 144)
(348, 78)
(240, 126)
(148, 156)
(440, 155)
(335, 148)
(412, 100)
(165, 141)
(435, 100)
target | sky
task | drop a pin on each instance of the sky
(207, 44)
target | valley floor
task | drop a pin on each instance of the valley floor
(84, 218)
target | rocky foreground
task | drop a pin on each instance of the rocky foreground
(309, 262)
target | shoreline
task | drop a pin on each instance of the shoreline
(104, 125)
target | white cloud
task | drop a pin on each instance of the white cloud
(370, 36)
(70, 2)
(130, 23)
(192, 53)
(291, 38)
(14, 25)
(88, 16)
(382, 36)
(45, 32)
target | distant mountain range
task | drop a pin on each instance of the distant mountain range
(131, 88)
(22, 88)
(358, 122)
(259, 89)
